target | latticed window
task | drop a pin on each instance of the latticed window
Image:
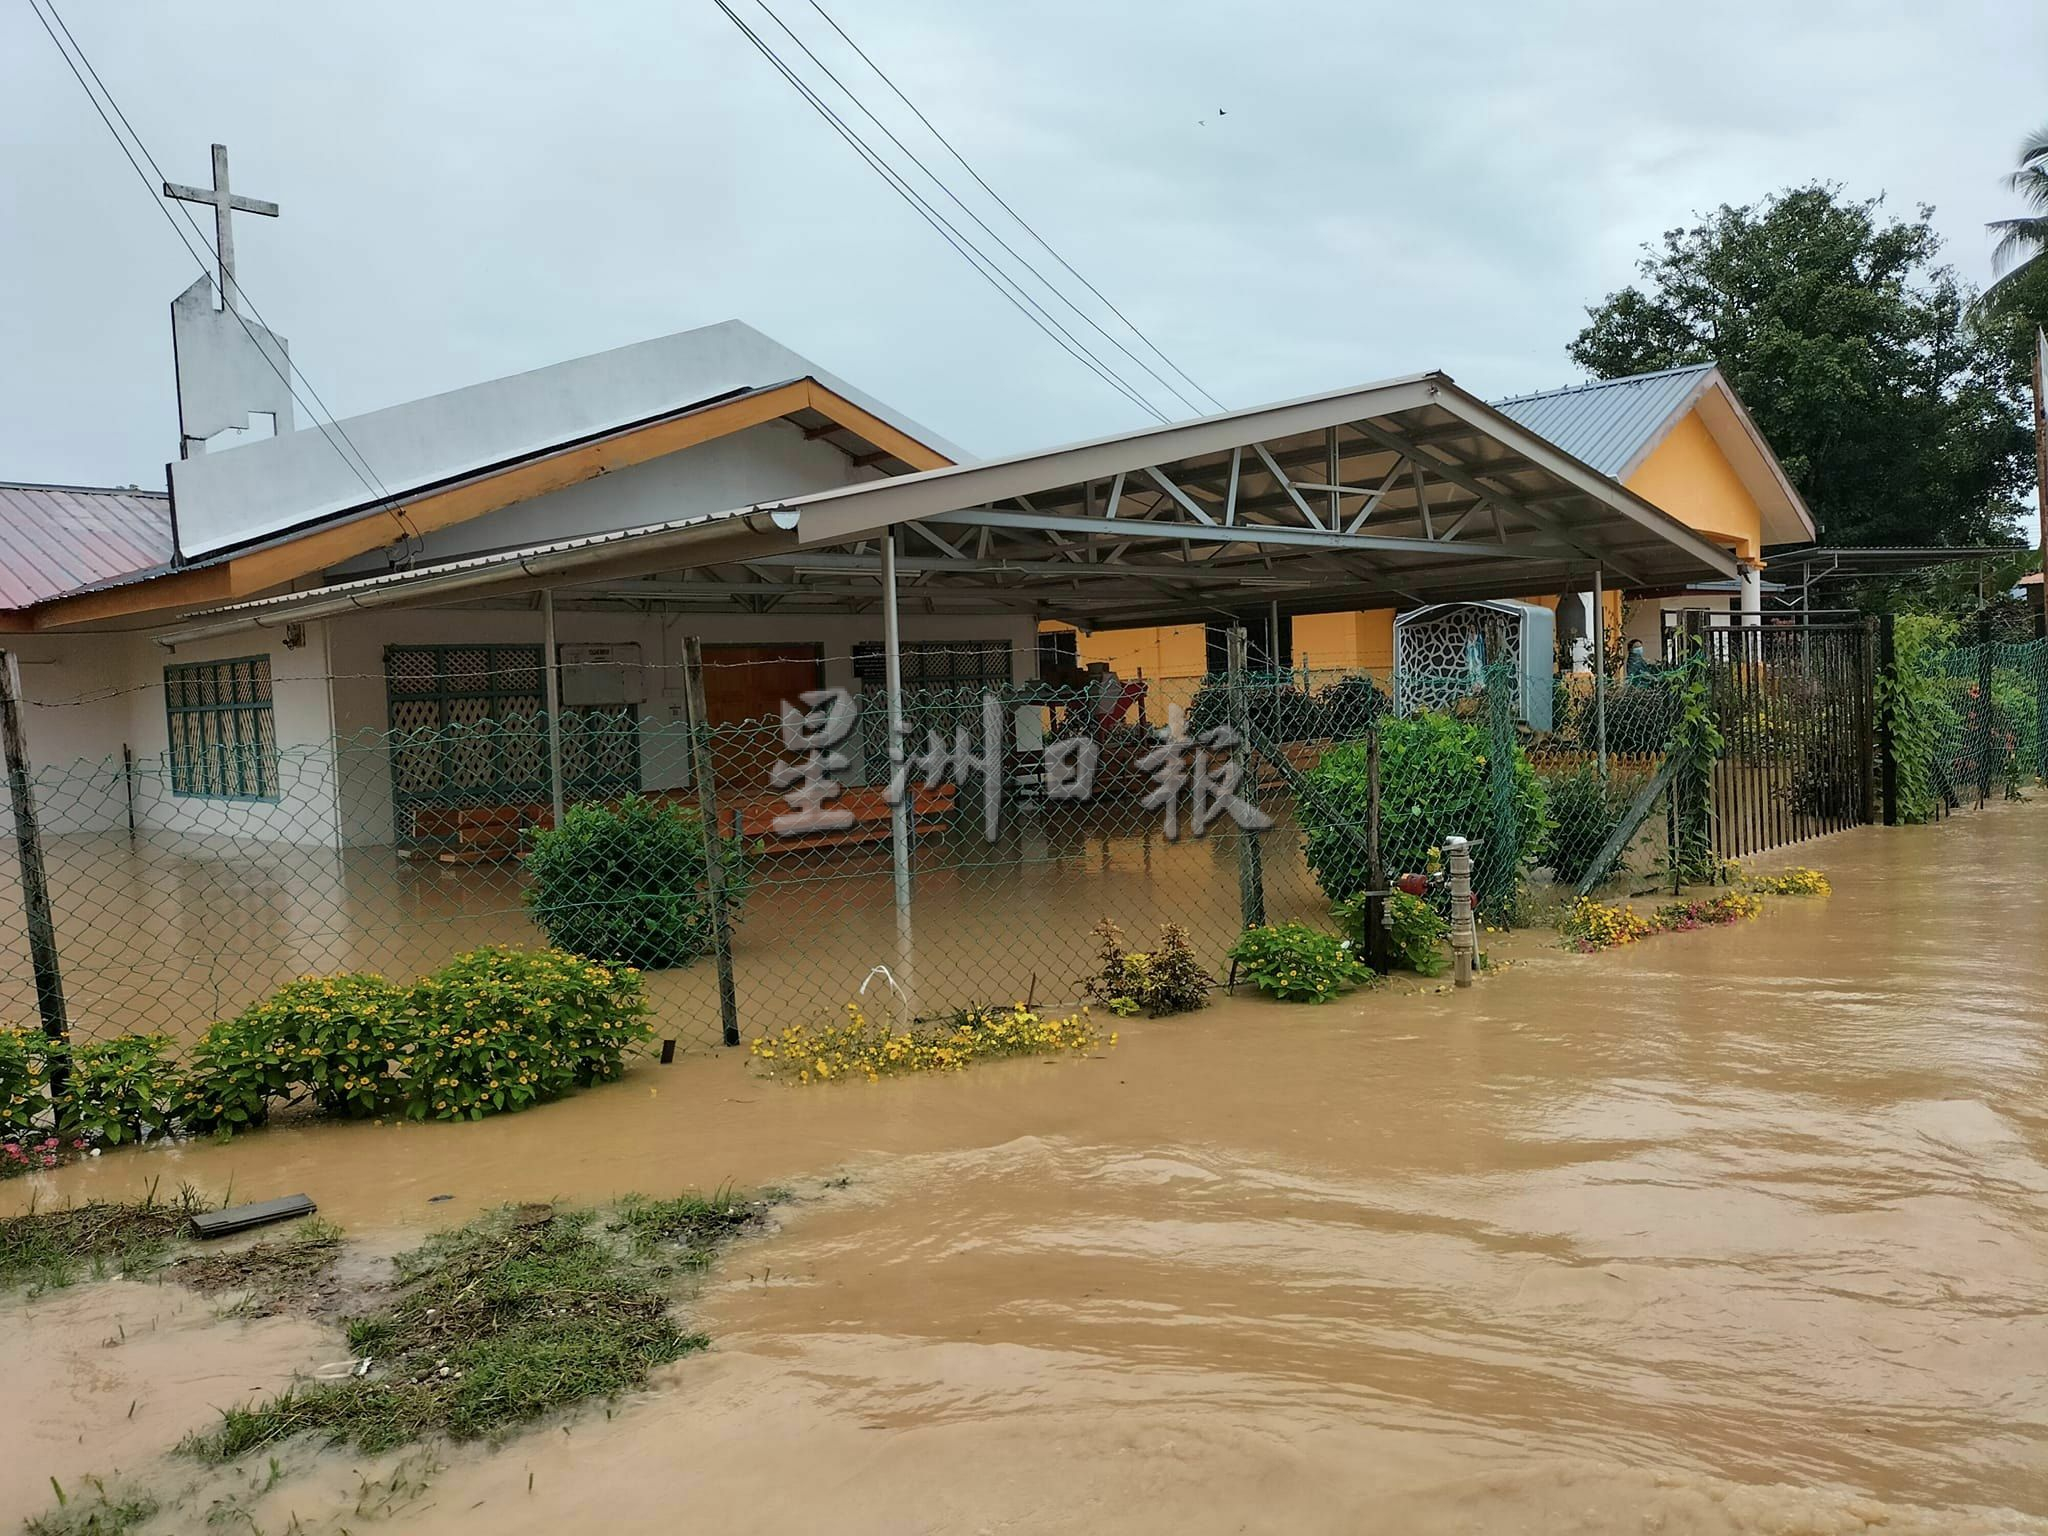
(223, 739)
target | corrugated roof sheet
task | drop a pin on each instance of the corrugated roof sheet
(56, 539)
(1607, 424)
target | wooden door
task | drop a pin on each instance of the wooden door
(745, 687)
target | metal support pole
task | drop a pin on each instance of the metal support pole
(714, 844)
(900, 806)
(35, 885)
(1276, 659)
(1464, 940)
(1599, 672)
(1251, 876)
(551, 683)
(1378, 941)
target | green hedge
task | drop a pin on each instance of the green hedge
(493, 1030)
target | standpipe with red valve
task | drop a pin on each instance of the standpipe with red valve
(1464, 933)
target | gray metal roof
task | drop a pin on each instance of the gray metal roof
(56, 539)
(1609, 425)
(1410, 490)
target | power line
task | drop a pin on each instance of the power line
(952, 236)
(358, 465)
(1022, 222)
(936, 180)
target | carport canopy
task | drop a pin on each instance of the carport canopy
(1406, 492)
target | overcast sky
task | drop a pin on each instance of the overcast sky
(474, 189)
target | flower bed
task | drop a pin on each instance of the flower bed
(1594, 925)
(870, 1048)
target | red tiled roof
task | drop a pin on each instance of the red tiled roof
(56, 539)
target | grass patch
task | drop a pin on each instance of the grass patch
(524, 1311)
(41, 1250)
(277, 1275)
(92, 1511)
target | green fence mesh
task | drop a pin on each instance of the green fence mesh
(1030, 813)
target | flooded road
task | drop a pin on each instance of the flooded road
(1741, 1230)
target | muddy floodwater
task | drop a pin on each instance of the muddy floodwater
(1740, 1230)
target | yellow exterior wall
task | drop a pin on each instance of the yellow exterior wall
(1179, 650)
(1687, 476)
(1351, 642)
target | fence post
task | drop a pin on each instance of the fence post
(1600, 673)
(1983, 706)
(1458, 863)
(1251, 878)
(714, 846)
(551, 689)
(1378, 942)
(1503, 689)
(35, 885)
(1884, 685)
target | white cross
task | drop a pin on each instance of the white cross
(225, 205)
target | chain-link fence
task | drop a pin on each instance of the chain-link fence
(187, 885)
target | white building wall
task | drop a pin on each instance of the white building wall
(89, 696)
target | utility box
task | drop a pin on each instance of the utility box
(1440, 655)
(601, 676)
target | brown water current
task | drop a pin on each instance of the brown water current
(1741, 1230)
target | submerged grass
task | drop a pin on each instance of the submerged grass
(274, 1275)
(41, 1250)
(92, 1511)
(524, 1311)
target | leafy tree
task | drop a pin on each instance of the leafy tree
(1893, 412)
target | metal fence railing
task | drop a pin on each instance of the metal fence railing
(1028, 814)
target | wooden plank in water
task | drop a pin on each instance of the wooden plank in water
(240, 1218)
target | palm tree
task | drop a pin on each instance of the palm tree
(2022, 242)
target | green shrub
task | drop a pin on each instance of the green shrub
(1297, 963)
(500, 1029)
(119, 1090)
(1926, 725)
(624, 885)
(332, 1038)
(1436, 780)
(1163, 981)
(22, 1095)
(1583, 810)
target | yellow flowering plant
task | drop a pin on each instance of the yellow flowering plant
(500, 1029)
(118, 1090)
(1297, 963)
(1592, 924)
(867, 1048)
(1796, 881)
(22, 1093)
(331, 1038)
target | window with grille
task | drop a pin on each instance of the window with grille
(939, 664)
(223, 739)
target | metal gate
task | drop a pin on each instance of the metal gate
(1795, 704)
(469, 730)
